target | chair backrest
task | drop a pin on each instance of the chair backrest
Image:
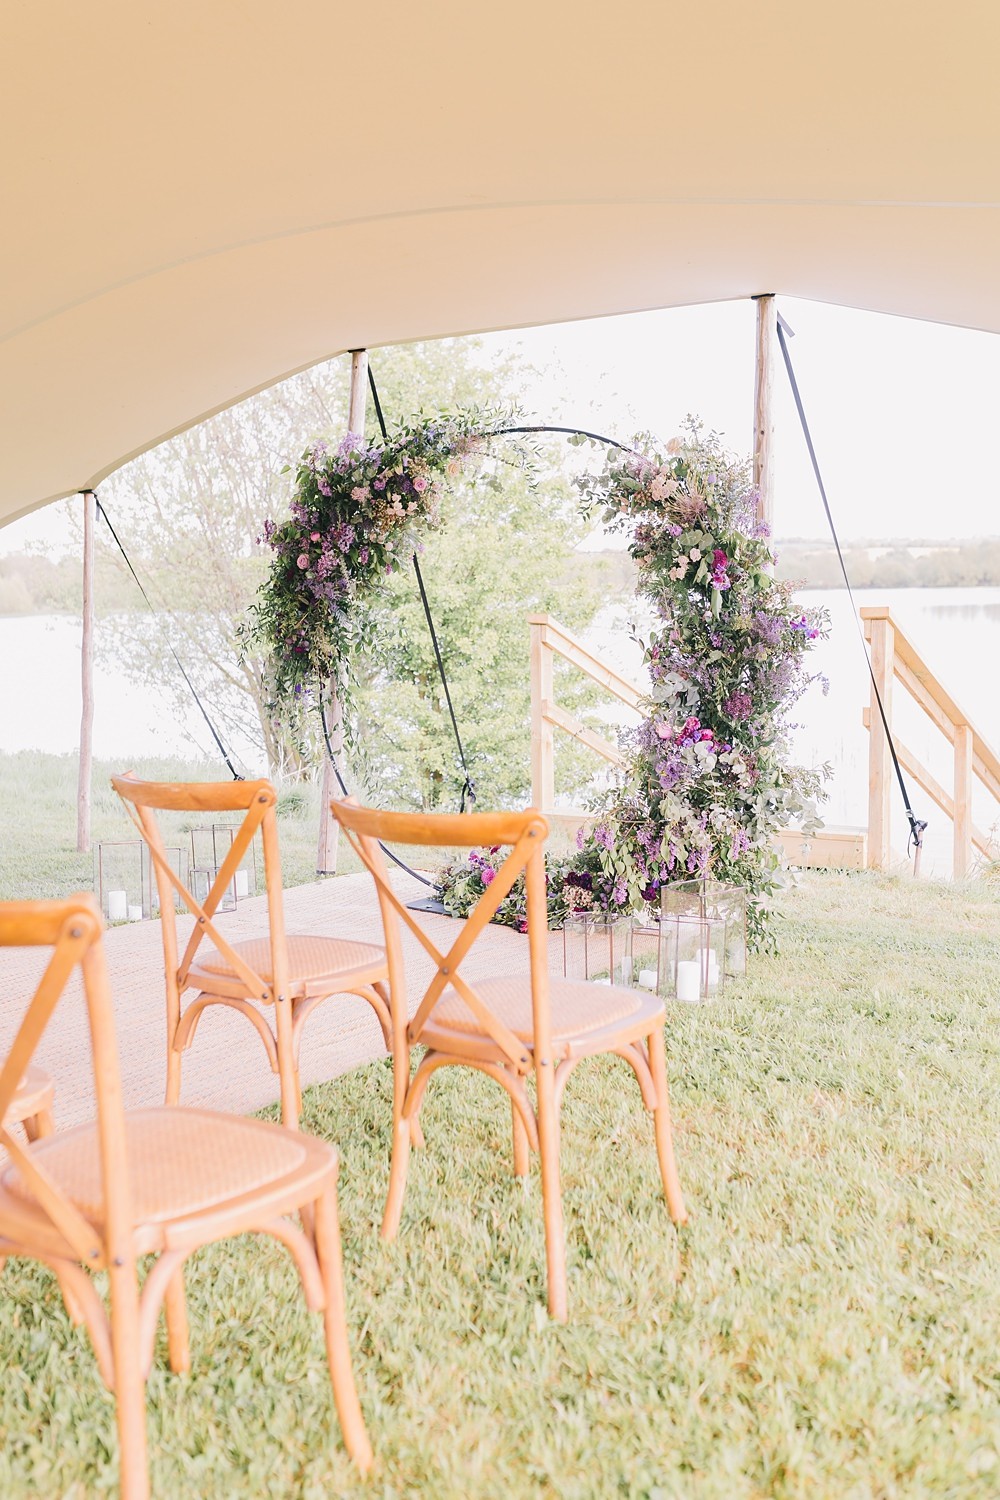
(257, 800)
(72, 929)
(524, 833)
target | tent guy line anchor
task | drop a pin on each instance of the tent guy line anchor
(917, 825)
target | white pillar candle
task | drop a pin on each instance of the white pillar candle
(242, 884)
(135, 913)
(689, 981)
(709, 957)
(117, 906)
(647, 979)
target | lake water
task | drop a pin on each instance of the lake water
(956, 630)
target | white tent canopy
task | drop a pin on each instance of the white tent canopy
(203, 196)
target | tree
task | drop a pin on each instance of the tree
(191, 514)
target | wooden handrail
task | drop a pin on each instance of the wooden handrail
(894, 657)
(548, 640)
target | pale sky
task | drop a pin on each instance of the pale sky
(903, 413)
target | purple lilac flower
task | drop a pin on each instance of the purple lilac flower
(603, 836)
(738, 707)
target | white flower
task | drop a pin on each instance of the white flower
(695, 554)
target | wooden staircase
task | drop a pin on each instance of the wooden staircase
(893, 657)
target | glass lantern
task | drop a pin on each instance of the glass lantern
(597, 949)
(715, 902)
(691, 956)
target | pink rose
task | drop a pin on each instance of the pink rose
(314, 536)
(303, 559)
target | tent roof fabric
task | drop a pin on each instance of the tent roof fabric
(202, 198)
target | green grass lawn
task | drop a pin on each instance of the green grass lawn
(38, 855)
(827, 1326)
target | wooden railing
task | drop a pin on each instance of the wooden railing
(895, 658)
(549, 639)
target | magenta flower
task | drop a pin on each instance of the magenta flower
(488, 874)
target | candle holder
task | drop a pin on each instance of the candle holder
(209, 846)
(120, 877)
(597, 949)
(176, 858)
(681, 956)
(712, 901)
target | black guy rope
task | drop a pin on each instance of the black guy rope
(180, 666)
(346, 792)
(917, 825)
(468, 786)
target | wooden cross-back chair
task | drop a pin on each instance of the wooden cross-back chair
(291, 973)
(161, 1182)
(510, 1025)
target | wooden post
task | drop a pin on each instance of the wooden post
(86, 678)
(329, 828)
(763, 415)
(962, 825)
(543, 783)
(879, 631)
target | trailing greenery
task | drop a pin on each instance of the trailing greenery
(826, 1327)
(357, 516)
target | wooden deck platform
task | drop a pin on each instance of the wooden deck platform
(226, 1067)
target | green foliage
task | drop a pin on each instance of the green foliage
(502, 553)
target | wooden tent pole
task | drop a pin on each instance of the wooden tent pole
(763, 414)
(329, 828)
(86, 678)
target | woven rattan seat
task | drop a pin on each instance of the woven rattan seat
(180, 1162)
(314, 963)
(577, 1008)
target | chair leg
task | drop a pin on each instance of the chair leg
(175, 1310)
(291, 1099)
(397, 1178)
(73, 1310)
(338, 1352)
(174, 1059)
(130, 1387)
(661, 1124)
(548, 1150)
(521, 1148)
